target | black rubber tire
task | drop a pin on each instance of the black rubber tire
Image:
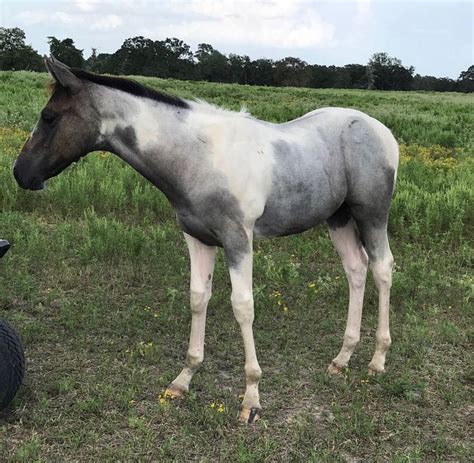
(4, 247)
(12, 363)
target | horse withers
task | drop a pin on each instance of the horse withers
(231, 178)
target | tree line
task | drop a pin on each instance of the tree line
(173, 58)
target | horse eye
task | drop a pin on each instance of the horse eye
(48, 116)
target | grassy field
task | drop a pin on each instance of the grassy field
(97, 285)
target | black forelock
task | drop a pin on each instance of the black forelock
(130, 86)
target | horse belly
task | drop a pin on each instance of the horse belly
(307, 187)
(288, 217)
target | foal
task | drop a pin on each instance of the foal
(230, 178)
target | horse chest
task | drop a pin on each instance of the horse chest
(212, 218)
(194, 226)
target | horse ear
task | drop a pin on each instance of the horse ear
(62, 74)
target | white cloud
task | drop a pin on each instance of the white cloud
(364, 10)
(91, 21)
(86, 5)
(67, 18)
(107, 22)
(32, 17)
(274, 23)
(282, 24)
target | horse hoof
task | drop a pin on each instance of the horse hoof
(375, 371)
(250, 415)
(174, 392)
(334, 369)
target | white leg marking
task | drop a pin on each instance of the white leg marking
(202, 268)
(355, 263)
(243, 308)
(382, 271)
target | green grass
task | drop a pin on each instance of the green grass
(97, 285)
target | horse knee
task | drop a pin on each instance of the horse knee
(199, 300)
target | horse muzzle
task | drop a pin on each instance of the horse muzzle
(27, 182)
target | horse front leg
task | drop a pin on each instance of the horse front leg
(243, 307)
(202, 267)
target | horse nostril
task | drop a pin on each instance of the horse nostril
(17, 177)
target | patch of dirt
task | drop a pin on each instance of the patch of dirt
(467, 413)
(300, 410)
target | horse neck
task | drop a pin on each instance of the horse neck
(150, 136)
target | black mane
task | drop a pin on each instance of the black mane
(130, 86)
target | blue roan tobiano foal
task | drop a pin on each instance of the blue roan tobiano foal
(232, 178)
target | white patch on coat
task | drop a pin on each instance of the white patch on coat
(239, 148)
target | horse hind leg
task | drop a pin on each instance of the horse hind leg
(381, 263)
(345, 237)
(369, 197)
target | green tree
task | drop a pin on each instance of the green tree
(15, 54)
(291, 71)
(260, 72)
(322, 76)
(66, 51)
(434, 84)
(179, 58)
(357, 75)
(91, 63)
(212, 65)
(342, 77)
(466, 80)
(387, 73)
(178, 49)
(140, 56)
(103, 63)
(238, 68)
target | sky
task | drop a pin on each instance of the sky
(436, 37)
